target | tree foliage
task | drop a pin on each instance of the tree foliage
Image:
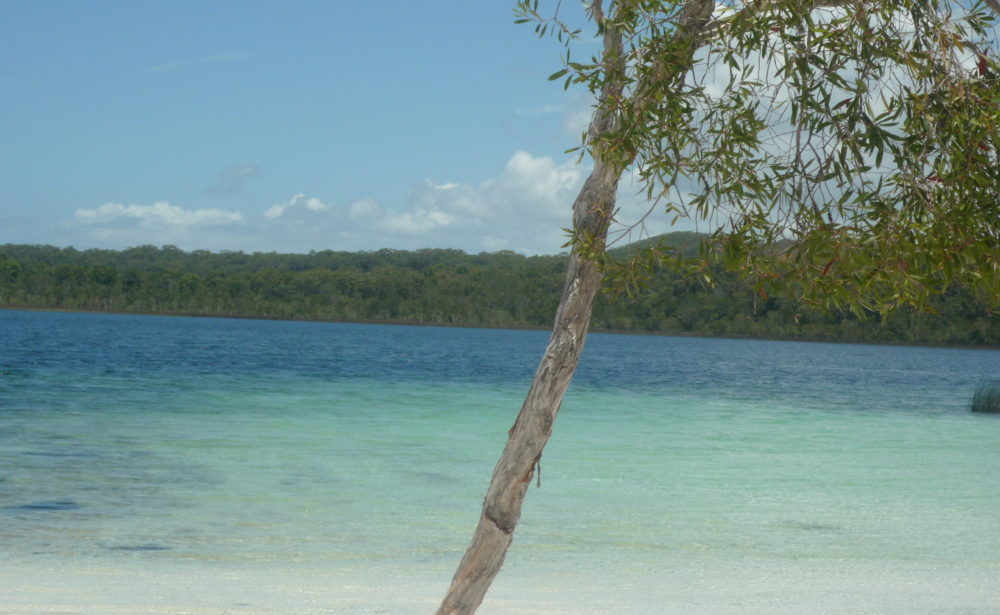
(841, 151)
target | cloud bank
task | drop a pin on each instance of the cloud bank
(115, 225)
(156, 216)
(524, 209)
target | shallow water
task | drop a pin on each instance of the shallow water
(169, 465)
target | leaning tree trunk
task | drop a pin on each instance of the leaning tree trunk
(516, 467)
(592, 213)
(531, 430)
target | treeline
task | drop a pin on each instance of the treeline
(447, 287)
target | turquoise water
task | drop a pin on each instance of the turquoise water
(179, 465)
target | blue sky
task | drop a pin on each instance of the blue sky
(289, 126)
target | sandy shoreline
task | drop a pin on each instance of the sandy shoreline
(748, 589)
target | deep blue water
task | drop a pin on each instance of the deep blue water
(113, 348)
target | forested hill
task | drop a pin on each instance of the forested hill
(447, 287)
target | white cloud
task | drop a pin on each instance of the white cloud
(540, 180)
(364, 209)
(523, 208)
(157, 215)
(300, 201)
(315, 205)
(115, 225)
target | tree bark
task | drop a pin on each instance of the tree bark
(516, 467)
(592, 212)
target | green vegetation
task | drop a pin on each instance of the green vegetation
(987, 398)
(447, 287)
(840, 152)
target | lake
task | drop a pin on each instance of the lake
(194, 465)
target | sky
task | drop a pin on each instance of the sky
(289, 127)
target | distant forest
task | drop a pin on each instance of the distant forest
(443, 287)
